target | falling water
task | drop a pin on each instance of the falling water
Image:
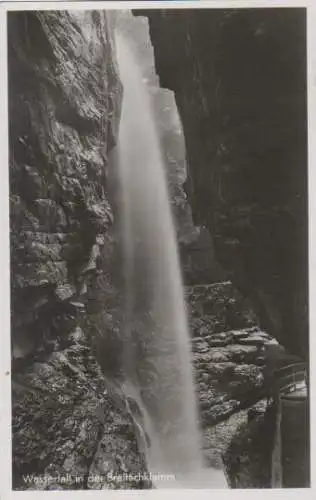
(157, 356)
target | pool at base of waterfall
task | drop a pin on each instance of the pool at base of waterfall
(206, 478)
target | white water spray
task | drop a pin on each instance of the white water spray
(157, 357)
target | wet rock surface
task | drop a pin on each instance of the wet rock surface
(71, 427)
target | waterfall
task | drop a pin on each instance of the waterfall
(157, 352)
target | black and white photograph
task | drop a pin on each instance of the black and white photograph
(158, 175)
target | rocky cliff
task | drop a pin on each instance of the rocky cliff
(239, 78)
(71, 424)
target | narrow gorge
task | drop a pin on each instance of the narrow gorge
(158, 235)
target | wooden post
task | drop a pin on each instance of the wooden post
(295, 442)
(276, 459)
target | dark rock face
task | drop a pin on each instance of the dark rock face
(199, 264)
(239, 78)
(64, 109)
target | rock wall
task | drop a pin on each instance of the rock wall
(70, 419)
(239, 78)
(233, 358)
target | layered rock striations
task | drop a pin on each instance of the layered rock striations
(232, 356)
(239, 78)
(70, 424)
